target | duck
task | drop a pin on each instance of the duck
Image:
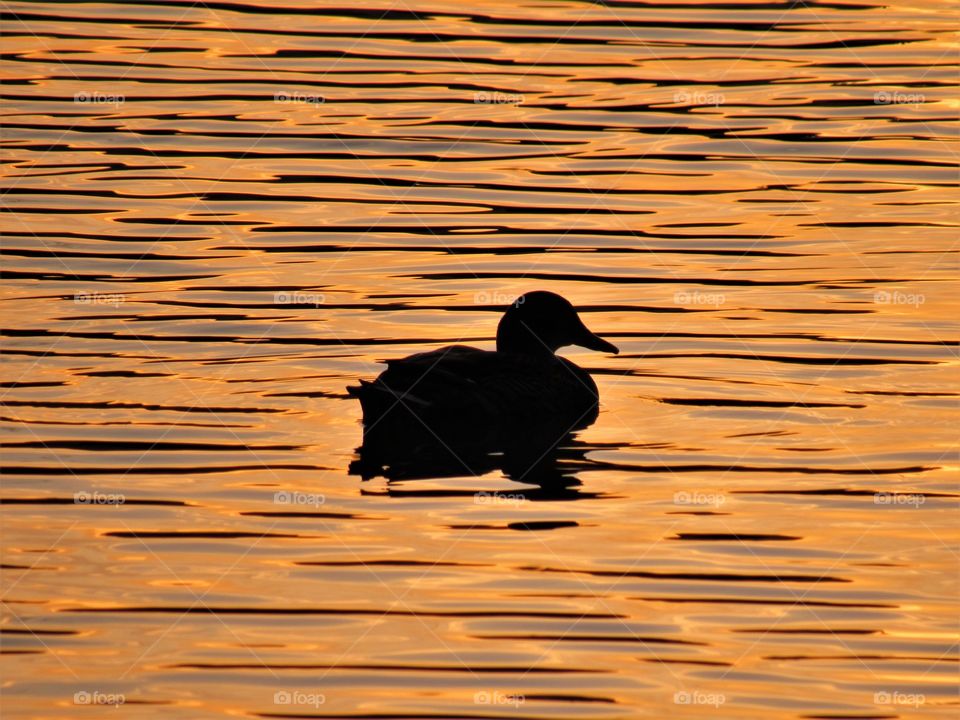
(459, 391)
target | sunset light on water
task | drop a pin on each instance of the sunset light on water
(221, 216)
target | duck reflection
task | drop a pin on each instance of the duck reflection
(548, 457)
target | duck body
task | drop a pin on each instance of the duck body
(458, 391)
(465, 387)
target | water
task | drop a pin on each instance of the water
(218, 218)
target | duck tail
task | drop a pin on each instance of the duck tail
(374, 398)
(366, 393)
(357, 390)
(378, 399)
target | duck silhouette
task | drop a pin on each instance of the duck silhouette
(460, 396)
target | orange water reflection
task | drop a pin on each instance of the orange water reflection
(219, 218)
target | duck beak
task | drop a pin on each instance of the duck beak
(587, 339)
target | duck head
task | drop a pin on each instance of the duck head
(540, 322)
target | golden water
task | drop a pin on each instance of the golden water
(218, 218)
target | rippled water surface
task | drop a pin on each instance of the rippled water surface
(219, 215)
